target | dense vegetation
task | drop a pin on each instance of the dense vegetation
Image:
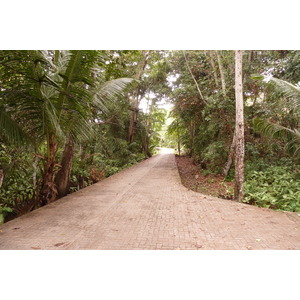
(204, 119)
(70, 118)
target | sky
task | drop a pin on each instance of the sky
(165, 103)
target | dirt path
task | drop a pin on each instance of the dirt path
(146, 207)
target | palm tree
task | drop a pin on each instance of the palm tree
(291, 94)
(49, 97)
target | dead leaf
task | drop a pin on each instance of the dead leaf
(36, 248)
(258, 240)
(58, 244)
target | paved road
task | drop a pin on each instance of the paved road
(146, 207)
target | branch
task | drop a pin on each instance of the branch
(202, 98)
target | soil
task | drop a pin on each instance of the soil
(196, 179)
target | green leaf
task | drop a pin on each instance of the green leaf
(7, 209)
(257, 77)
(1, 219)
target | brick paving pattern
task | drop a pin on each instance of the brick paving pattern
(146, 207)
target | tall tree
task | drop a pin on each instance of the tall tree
(239, 128)
(221, 73)
(136, 96)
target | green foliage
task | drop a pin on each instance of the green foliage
(252, 151)
(48, 96)
(207, 128)
(88, 95)
(17, 191)
(273, 186)
(3, 211)
(214, 156)
(285, 127)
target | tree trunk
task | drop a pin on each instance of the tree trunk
(191, 141)
(132, 124)
(250, 55)
(239, 129)
(34, 165)
(146, 147)
(1, 176)
(178, 139)
(48, 190)
(230, 157)
(221, 73)
(212, 62)
(62, 179)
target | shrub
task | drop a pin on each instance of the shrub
(274, 186)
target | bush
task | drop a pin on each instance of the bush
(274, 186)
(3, 211)
(214, 156)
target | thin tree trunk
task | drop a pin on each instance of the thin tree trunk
(146, 140)
(48, 190)
(193, 131)
(239, 129)
(178, 138)
(250, 55)
(34, 165)
(221, 73)
(212, 62)
(132, 122)
(62, 179)
(146, 146)
(230, 157)
(197, 85)
(1, 176)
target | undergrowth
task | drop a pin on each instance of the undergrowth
(275, 186)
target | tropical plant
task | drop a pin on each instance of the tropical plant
(55, 94)
(273, 186)
(290, 94)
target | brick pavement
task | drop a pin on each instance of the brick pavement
(146, 207)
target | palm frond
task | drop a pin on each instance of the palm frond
(273, 130)
(28, 90)
(109, 91)
(11, 130)
(288, 90)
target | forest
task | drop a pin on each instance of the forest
(69, 119)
